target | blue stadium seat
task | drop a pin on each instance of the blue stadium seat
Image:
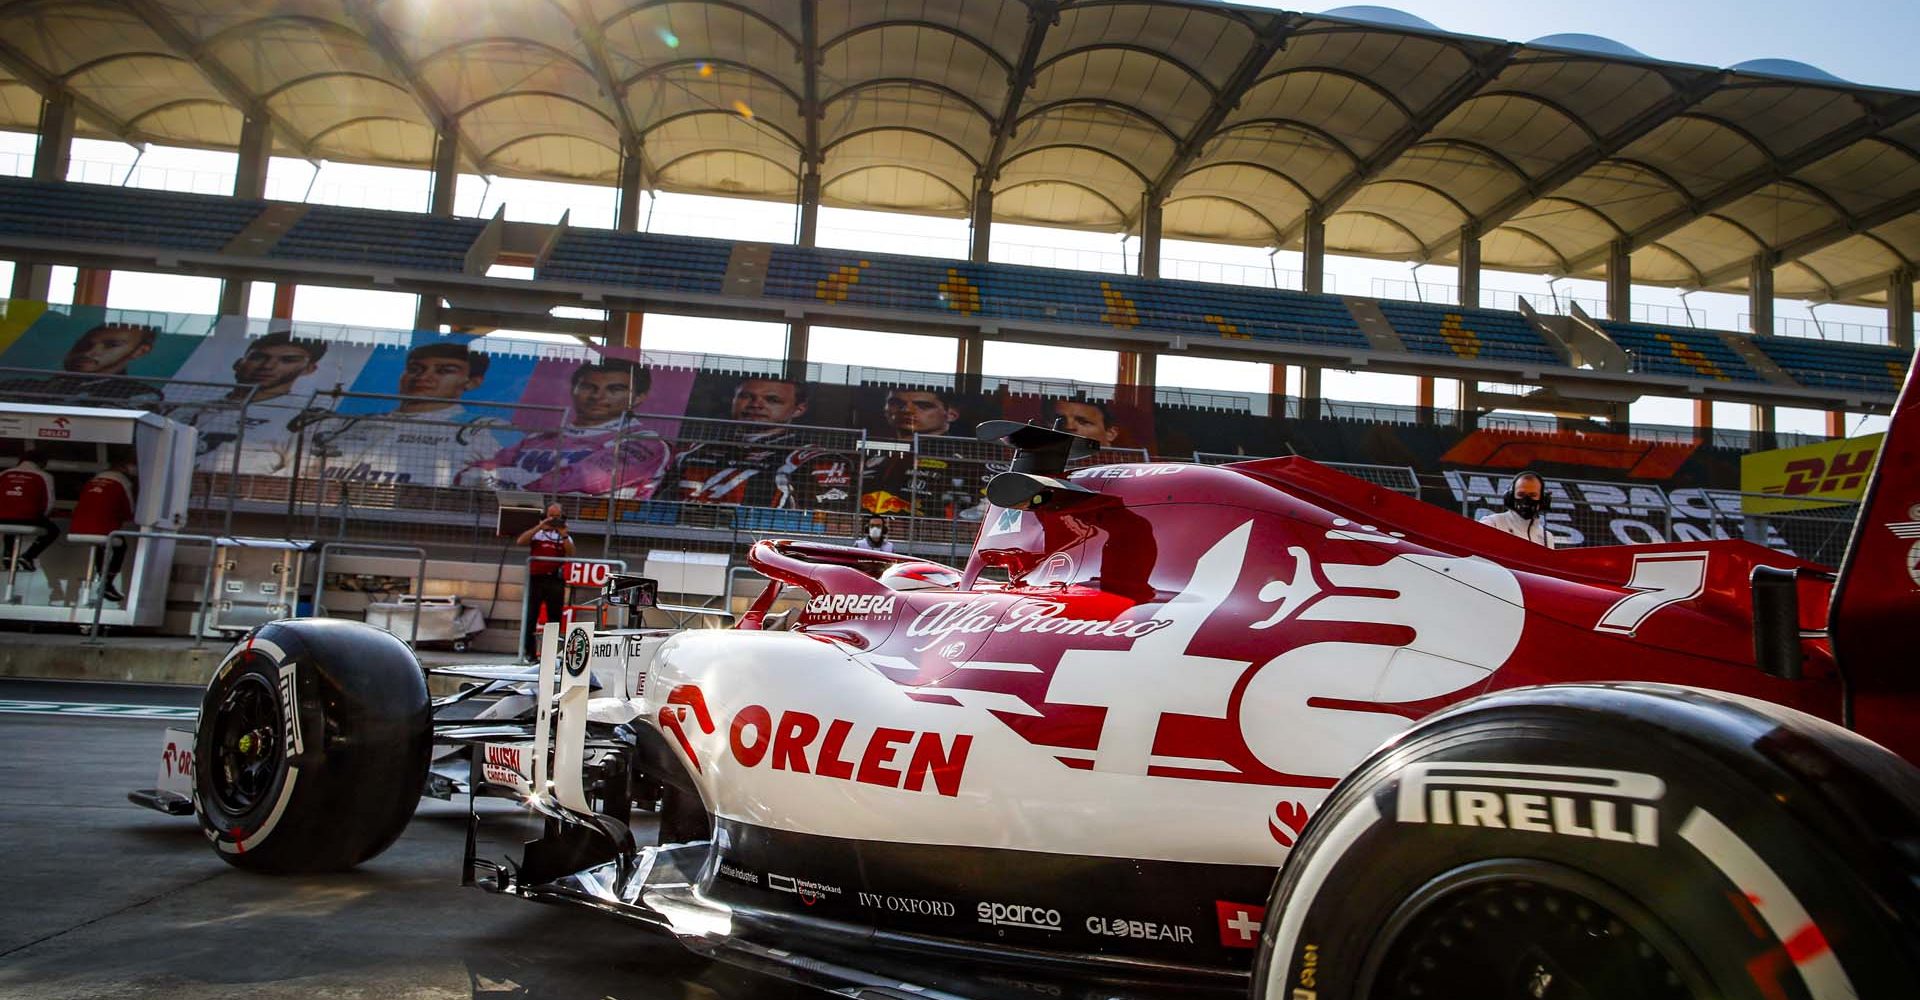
(1663, 350)
(99, 214)
(1007, 291)
(779, 522)
(1826, 364)
(1471, 334)
(639, 260)
(367, 236)
(650, 512)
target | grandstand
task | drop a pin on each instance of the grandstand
(1356, 132)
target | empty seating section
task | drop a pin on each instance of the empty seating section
(1469, 334)
(641, 260)
(1828, 365)
(101, 214)
(1662, 350)
(207, 223)
(366, 236)
(1007, 291)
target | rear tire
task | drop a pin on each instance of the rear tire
(1606, 841)
(313, 745)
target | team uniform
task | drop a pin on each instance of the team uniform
(422, 449)
(766, 469)
(105, 506)
(596, 459)
(26, 498)
(1533, 529)
(546, 588)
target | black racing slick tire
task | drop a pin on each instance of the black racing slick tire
(313, 745)
(1590, 841)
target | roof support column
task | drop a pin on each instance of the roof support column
(1765, 423)
(982, 235)
(1900, 308)
(30, 278)
(1314, 254)
(1619, 280)
(1309, 392)
(627, 214)
(1469, 270)
(623, 328)
(90, 286)
(446, 170)
(969, 357)
(1836, 423)
(1760, 296)
(1150, 238)
(256, 150)
(1137, 368)
(1424, 401)
(810, 207)
(250, 182)
(1702, 421)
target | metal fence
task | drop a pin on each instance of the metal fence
(339, 465)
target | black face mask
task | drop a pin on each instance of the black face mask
(1527, 507)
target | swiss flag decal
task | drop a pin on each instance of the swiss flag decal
(1239, 923)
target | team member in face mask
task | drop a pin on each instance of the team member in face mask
(876, 536)
(1525, 499)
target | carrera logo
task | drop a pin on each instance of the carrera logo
(1035, 918)
(799, 743)
(951, 618)
(906, 904)
(1140, 930)
(1239, 923)
(1584, 802)
(810, 892)
(851, 604)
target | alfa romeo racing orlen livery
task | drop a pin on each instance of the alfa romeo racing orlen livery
(1179, 729)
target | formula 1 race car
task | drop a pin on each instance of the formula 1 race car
(1179, 729)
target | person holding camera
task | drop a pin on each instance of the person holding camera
(549, 544)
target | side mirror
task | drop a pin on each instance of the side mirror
(625, 591)
(1776, 622)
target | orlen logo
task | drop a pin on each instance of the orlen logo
(178, 762)
(800, 743)
(851, 604)
(1035, 918)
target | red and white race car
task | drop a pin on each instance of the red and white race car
(1179, 729)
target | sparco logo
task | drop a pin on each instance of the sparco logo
(1037, 918)
(1584, 802)
(950, 618)
(906, 904)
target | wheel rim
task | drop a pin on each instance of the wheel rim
(1528, 931)
(247, 746)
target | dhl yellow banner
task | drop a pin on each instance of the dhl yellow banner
(1807, 477)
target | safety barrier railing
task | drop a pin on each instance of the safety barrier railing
(364, 548)
(212, 543)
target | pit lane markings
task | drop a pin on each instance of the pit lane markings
(75, 709)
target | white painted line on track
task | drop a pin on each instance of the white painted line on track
(86, 710)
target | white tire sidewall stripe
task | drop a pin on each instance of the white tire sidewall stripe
(1776, 904)
(275, 657)
(1313, 876)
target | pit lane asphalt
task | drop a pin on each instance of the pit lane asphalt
(102, 898)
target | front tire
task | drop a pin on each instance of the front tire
(1599, 841)
(313, 745)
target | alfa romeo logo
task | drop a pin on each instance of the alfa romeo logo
(574, 656)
